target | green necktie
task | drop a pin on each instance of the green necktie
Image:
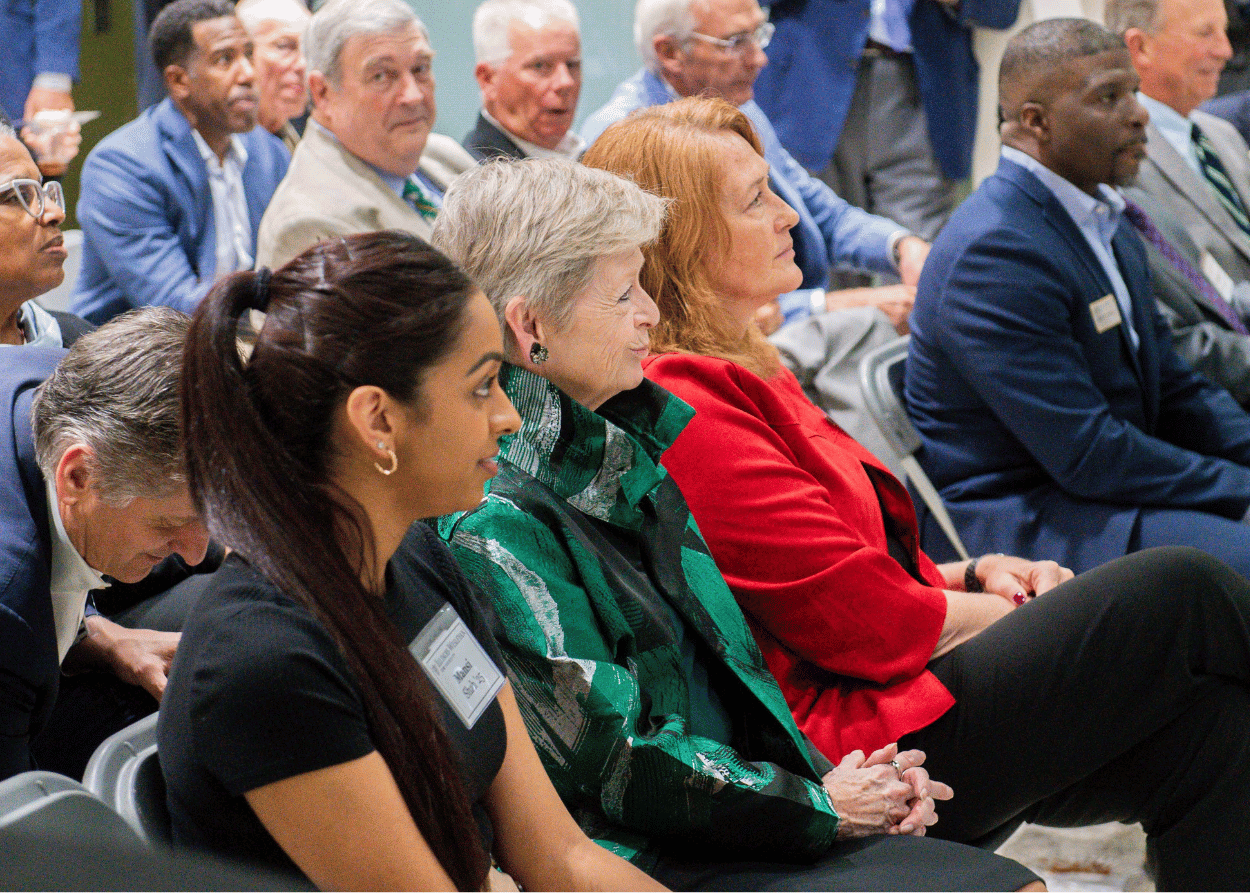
(1217, 175)
(415, 196)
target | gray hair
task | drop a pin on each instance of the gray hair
(6, 129)
(492, 19)
(1044, 46)
(340, 20)
(537, 227)
(118, 393)
(655, 17)
(1124, 14)
(254, 13)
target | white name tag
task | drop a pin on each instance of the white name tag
(1106, 313)
(1222, 282)
(457, 665)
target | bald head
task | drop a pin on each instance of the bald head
(1037, 56)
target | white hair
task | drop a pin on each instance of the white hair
(254, 13)
(536, 228)
(338, 21)
(492, 19)
(655, 17)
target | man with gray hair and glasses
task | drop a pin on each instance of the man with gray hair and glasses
(92, 487)
(368, 160)
(529, 69)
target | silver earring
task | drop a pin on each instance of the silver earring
(538, 354)
(394, 460)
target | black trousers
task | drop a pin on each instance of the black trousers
(1123, 695)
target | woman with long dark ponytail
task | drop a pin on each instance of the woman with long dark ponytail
(337, 700)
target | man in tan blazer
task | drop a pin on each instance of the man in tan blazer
(368, 160)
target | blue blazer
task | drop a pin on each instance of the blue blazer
(813, 63)
(29, 667)
(39, 36)
(830, 232)
(146, 213)
(1044, 436)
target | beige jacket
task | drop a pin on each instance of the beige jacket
(329, 192)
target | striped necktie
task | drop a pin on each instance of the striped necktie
(1217, 175)
(1140, 219)
(416, 196)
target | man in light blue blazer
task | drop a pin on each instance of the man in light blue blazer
(1058, 421)
(173, 201)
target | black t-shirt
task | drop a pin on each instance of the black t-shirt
(259, 692)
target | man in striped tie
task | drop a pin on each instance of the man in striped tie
(1193, 188)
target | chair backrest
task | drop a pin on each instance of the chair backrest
(881, 374)
(125, 773)
(44, 803)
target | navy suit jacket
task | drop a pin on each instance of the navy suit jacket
(149, 234)
(486, 140)
(1044, 436)
(813, 64)
(29, 666)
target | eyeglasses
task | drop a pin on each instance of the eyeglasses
(738, 43)
(34, 196)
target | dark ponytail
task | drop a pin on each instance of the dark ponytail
(375, 309)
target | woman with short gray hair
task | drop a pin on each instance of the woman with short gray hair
(636, 672)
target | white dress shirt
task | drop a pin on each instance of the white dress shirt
(234, 230)
(72, 578)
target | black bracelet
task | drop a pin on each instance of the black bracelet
(971, 583)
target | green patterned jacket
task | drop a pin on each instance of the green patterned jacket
(581, 534)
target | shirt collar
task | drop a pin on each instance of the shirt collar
(70, 571)
(603, 463)
(236, 152)
(1103, 212)
(570, 147)
(1166, 118)
(39, 327)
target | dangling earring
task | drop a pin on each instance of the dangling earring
(538, 354)
(394, 460)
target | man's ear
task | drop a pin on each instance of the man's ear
(484, 74)
(177, 82)
(1140, 46)
(1035, 119)
(318, 92)
(75, 474)
(668, 51)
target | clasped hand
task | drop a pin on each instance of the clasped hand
(872, 797)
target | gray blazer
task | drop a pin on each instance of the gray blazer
(330, 192)
(1183, 205)
(1200, 334)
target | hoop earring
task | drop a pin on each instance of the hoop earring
(394, 460)
(538, 354)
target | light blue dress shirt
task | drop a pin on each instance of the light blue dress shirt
(1096, 218)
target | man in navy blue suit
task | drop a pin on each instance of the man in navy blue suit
(1057, 420)
(91, 486)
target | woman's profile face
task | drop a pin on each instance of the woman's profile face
(601, 351)
(758, 263)
(447, 441)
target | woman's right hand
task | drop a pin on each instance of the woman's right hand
(872, 797)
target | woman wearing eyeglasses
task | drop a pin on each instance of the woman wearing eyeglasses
(32, 251)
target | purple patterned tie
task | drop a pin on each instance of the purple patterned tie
(1151, 234)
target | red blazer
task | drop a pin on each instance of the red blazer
(785, 500)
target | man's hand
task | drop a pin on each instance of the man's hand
(138, 656)
(41, 98)
(912, 251)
